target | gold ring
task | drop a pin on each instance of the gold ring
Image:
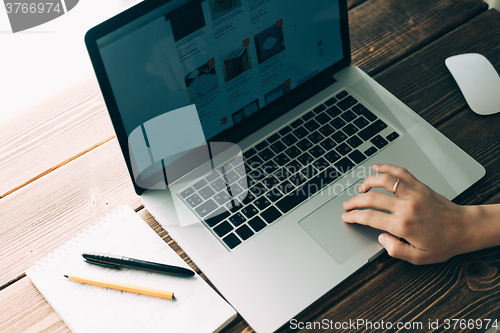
(395, 187)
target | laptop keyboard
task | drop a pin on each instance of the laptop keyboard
(286, 168)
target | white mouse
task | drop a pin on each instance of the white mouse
(478, 80)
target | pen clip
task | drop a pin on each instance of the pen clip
(102, 264)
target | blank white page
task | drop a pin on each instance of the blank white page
(85, 308)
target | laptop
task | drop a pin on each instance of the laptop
(245, 127)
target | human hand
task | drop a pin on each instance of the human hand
(435, 228)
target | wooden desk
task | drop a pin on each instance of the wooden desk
(61, 170)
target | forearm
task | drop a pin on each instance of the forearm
(483, 224)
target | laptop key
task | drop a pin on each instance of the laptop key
(262, 145)
(343, 149)
(370, 151)
(298, 179)
(342, 94)
(301, 132)
(315, 137)
(249, 153)
(328, 144)
(331, 101)
(232, 176)
(277, 147)
(213, 219)
(311, 187)
(319, 108)
(246, 198)
(361, 110)
(206, 192)
(339, 136)
(304, 144)
(311, 125)
(269, 168)
(323, 118)
(305, 159)
(194, 200)
(347, 102)
(285, 130)
(379, 142)
(282, 159)
(344, 165)
(348, 116)
(286, 187)
(244, 232)
(273, 138)
(289, 140)
(326, 130)
(236, 206)
(270, 182)
(257, 224)
(231, 241)
(321, 164)
(206, 208)
(293, 167)
(274, 195)
(354, 142)
(316, 151)
(222, 198)
(270, 215)
(254, 161)
(223, 228)
(333, 111)
(200, 184)
(211, 177)
(262, 203)
(332, 156)
(297, 123)
(249, 211)
(338, 123)
(361, 122)
(293, 152)
(218, 185)
(371, 130)
(266, 154)
(237, 219)
(350, 129)
(357, 156)
(282, 174)
(187, 192)
(308, 116)
(392, 136)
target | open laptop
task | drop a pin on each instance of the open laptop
(244, 128)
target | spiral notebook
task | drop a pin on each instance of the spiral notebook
(85, 308)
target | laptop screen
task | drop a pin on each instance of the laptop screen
(232, 59)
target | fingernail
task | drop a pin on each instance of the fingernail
(376, 166)
(382, 239)
(345, 203)
(344, 216)
(361, 188)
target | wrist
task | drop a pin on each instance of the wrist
(482, 226)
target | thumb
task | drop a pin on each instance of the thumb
(399, 249)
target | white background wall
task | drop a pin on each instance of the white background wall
(42, 60)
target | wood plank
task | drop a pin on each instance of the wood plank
(50, 132)
(422, 80)
(464, 287)
(72, 121)
(385, 31)
(42, 215)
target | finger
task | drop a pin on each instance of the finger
(385, 181)
(401, 250)
(396, 172)
(370, 217)
(371, 199)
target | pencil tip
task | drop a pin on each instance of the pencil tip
(65, 276)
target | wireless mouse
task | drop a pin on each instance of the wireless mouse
(478, 80)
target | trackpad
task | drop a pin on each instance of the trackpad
(342, 240)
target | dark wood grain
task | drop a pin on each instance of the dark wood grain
(422, 80)
(466, 286)
(385, 31)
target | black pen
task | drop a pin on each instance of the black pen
(119, 262)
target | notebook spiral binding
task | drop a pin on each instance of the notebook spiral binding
(75, 239)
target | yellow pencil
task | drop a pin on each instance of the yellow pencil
(122, 286)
